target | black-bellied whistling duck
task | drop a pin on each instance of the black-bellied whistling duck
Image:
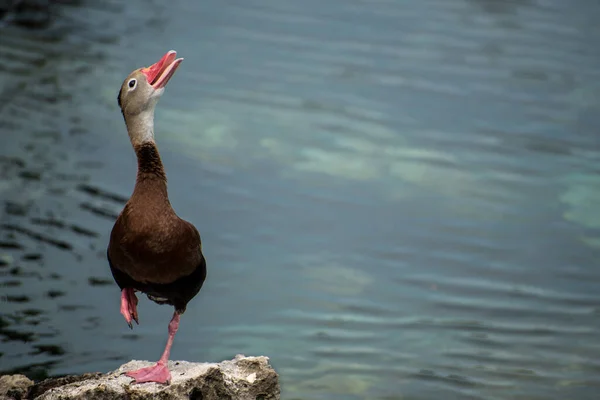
(151, 249)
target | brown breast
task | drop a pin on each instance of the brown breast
(149, 242)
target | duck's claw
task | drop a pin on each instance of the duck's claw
(129, 306)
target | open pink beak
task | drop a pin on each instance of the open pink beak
(159, 74)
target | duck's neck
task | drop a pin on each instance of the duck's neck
(140, 127)
(141, 133)
(150, 165)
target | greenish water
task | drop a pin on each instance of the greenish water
(397, 199)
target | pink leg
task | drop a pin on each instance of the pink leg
(129, 306)
(159, 372)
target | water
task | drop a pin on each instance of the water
(397, 199)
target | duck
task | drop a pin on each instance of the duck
(151, 249)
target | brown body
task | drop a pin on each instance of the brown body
(151, 249)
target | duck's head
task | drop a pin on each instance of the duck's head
(143, 87)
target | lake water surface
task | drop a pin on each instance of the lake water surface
(397, 199)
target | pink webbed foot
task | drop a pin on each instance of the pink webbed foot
(129, 306)
(158, 373)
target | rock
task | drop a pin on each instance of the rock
(243, 378)
(40, 388)
(14, 386)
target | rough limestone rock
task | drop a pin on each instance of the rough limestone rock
(243, 378)
(14, 386)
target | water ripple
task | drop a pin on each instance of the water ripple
(396, 198)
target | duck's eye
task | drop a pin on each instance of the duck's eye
(132, 83)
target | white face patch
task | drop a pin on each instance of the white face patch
(146, 119)
(158, 92)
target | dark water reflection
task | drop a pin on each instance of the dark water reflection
(397, 199)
